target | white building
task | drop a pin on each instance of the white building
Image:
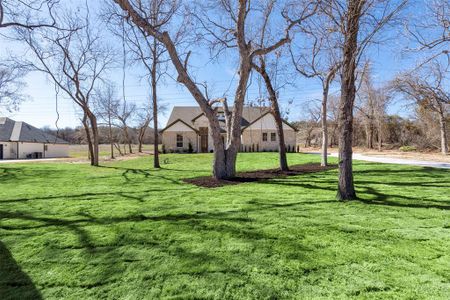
(19, 140)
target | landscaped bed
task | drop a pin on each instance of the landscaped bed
(258, 175)
(126, 231)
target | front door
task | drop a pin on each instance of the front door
(1, 151)
(203, 139)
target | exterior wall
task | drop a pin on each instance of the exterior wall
(53, 150)
(252, 136)
(169, 140)
(28, 148)
(57, 150)
(9, 150)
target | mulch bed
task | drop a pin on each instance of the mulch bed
(258, 175)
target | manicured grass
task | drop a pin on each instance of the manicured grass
(81, 151)
(127, 231)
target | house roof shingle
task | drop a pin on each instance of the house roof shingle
(189, 113)
(12, 131)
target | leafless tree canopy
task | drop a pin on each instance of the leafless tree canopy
(74, 58)
(11, 87)
(28, 14)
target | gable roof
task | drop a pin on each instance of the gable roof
(262, 116)
(188, 114)
(176, 121)
(12, 131)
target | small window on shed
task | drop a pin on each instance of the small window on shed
(273, 136)
(264, 137)
(179, 141)
(45, 147)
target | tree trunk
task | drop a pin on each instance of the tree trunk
(156, 164)
(95, 139)
(111, 137)
(443, 129)
(276, 114)
(86, 126)
(127, 138)
(346, 189)
(281, 143)
(324, 160)
(380, 136)
(140, 141)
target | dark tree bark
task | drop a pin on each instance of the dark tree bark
(87, 130)
(346, 189)
(275, 110)
(156, 164)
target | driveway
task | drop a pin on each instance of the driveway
(400, 161)
(16, 161)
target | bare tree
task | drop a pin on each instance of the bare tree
(75, 59)
(11, 86)
(275, 110)
(144, 117)
(266, 37)
(106, 105)
(371, 105)
(430, 93)
(124, 114)
(431, 29)
(29, 14)
(230, 32)
(321, 59)
(148, 52)
(357, 22)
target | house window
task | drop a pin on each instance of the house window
(264, 136)
(273, 137)
(45, 147)
(179, 141)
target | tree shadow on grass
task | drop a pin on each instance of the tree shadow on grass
(14, 283)
(15, 174)
(127, 172)
(132, 195)
(384, 200)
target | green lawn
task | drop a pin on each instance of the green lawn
(126, 231)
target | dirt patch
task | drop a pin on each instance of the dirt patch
(258, 175)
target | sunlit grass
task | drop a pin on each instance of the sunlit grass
(125, 230)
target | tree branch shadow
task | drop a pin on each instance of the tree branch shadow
(14, 282)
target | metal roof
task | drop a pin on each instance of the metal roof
(12, 131)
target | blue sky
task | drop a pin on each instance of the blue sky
(40, 109)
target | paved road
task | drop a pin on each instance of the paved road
(400, 161)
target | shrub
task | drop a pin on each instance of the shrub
(407, 148)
